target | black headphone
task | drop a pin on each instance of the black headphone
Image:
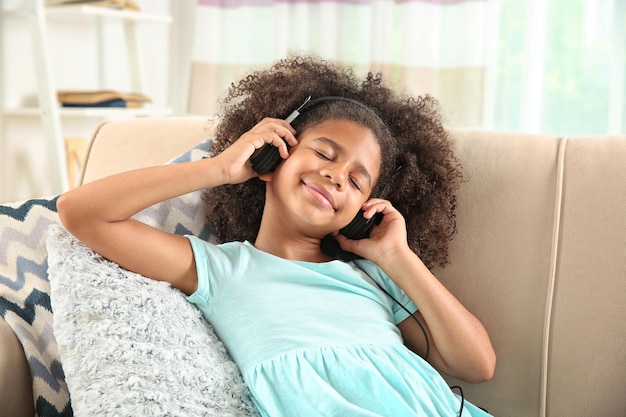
(267, 158)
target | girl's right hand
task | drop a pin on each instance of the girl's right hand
(235, 159)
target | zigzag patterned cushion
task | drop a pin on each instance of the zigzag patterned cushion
(25, 298)
(25, 289)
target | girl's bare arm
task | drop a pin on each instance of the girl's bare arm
(99, 213)
(459, 344)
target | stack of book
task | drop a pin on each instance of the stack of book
(117, 4)
(101, 98)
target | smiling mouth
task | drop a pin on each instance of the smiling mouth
(321, 196)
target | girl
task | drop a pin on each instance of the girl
(319, 324)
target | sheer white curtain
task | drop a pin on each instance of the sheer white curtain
(549, 66)
(423, 46)
(561, 67)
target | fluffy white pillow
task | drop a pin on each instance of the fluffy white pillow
(133, 346)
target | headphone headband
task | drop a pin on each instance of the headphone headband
(309, 104)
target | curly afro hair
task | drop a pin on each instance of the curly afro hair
(419, 171)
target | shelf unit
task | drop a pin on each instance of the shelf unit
(85, 9)
(51, 113)
(105, 112)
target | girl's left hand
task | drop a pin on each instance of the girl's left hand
(386, 238)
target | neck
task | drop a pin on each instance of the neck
(278, 242)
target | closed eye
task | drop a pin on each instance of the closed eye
(355, 184)
(323, 156)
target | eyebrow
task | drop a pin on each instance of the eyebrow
(338, 148)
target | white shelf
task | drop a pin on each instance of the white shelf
(113, 112)
(81, 9)
(37, 14)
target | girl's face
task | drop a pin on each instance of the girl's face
(327, 177)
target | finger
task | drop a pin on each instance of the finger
(345, 243)
(282, 132)
(341, 239)
(287, 134)
(283, 123)
(280, 142)
(275, 126)
(376, 205)
(269, 124)
(261, 139)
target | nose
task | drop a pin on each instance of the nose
(337, 174)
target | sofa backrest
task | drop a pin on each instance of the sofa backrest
(123, 145)
(587, 339)
(500, 259)
(540, 256)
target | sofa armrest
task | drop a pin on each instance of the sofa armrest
(16, 392)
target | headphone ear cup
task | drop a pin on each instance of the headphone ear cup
(360, 227)
(265, 159)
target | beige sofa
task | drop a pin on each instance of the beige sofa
(540, 258)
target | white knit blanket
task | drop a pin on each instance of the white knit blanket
(131, 346)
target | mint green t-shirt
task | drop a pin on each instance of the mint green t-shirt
(316, 339)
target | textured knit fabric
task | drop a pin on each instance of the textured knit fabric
(316, 339)
(133, 346)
